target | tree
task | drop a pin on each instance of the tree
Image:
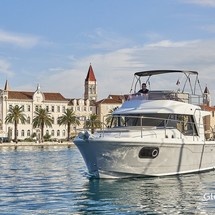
(42, 118)
(114, 120)
(68, 118)
(110, 119)
(93, 122)
(15, 115)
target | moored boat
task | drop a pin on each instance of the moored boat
(157, 133)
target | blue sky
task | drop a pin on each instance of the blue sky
(53, 42)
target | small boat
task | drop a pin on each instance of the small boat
(160, 133)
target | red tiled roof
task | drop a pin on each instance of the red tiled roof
(119, 98)
(108, 101)
(90, 75)
(29, 96)
(20, 95)
(207, 108)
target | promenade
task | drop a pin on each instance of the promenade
(26, 144)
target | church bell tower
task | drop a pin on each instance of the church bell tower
(90, 91)
(206, 97)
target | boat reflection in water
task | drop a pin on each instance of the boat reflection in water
(153, 195)
(156, 134)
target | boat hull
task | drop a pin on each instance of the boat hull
(123, 159)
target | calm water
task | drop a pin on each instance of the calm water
(53, 181)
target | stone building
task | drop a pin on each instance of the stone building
(209, 121)
(84, 107)
(54, 103)
(107, 105)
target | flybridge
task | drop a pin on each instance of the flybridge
(190, 90)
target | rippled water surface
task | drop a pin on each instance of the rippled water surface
(53, 181)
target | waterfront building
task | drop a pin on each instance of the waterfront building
(54, 103)
(107, 105)
(209, 121)
(82, 108)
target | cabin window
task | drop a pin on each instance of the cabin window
(147, 120)
(184, 123)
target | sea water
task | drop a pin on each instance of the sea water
(53, 180)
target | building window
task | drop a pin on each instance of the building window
(78, 108)
(52, 108)
(28, 133)
(47, 108)
(212, 113)
(64, 133)
(22, 133)
(58, 133)
(29, 120)
(29, 108)
(23, 108)
(36, 107)
(58, 108)
(47, 132)
(63, 109)
(53, 120)
(85, 108)
(52, 133)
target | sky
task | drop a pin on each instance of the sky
(53, 43)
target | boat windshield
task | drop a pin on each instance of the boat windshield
(184, 123)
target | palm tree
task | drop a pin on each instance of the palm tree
(110, 119)
(93, 122)
(42, 117)
(15, 115)
(68, 118)
(114, 121)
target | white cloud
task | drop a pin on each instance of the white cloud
(168, 44)
(208, 28)
(114, 70)
(5, 68)
(210, 3)
(107, 40)
(23, 41)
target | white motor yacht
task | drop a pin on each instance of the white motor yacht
(155, 134)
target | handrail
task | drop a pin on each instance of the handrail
(180, 125)
(168, 95)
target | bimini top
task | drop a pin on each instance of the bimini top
(158, 72)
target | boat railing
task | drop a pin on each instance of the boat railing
(167, 95)
(185, 128)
